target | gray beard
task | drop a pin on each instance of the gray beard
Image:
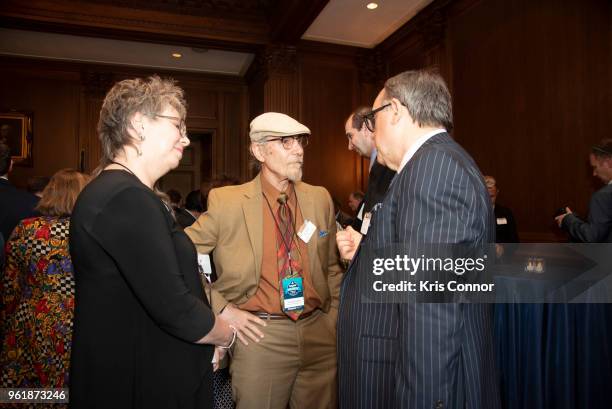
(295, 175)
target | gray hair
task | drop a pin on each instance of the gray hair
(149, 97)
(254, 163)
(425, 95)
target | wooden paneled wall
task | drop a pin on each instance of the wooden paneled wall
(66, 99)
(329, 92)
(531, 97)
(53, 96)
(532, 91)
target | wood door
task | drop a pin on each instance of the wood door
(195, 166)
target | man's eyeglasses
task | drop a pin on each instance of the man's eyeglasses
(181, 123)
(288, 142)
(370, 118)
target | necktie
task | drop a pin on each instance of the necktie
(288, 253)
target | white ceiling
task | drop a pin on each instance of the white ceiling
(349, 22)
(100, 50)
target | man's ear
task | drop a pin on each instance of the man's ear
(398, 112)
(365, 132)
(10, 167)
(256, 150)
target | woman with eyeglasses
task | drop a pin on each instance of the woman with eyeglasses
(144, 333)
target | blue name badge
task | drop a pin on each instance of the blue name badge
(293, 294)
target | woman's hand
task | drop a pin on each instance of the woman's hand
(218, 357)
(244, 322)
(221, 333)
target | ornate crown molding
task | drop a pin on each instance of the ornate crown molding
(280, 59)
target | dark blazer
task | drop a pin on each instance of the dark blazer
(598, 227)
(505, 232)
(378, 183)
(183, 217)
(2, 254)
(420, 355)
(139, 303)
(15, 205)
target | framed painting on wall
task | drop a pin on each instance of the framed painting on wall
(16, 132)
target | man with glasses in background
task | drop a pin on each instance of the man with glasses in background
(278, 273)
(402, 352)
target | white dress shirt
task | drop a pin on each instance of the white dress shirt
(415, 147)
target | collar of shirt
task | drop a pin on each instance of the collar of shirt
(3, 177)
(272, 193)
(415, 147)
(373, 157)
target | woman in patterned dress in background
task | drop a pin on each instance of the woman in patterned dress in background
(38, 291)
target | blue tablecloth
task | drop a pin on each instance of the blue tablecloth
(554, 356)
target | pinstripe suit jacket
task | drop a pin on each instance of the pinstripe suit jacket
(420, 355)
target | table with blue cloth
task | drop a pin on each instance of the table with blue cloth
(552, 355)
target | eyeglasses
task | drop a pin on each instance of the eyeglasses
(181, 125)
(288, 142)
(370, 118)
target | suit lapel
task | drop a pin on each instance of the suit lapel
(308, 213)
(252, 209)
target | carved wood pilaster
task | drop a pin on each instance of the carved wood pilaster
(434, 31)
(95, 84)
(433, 37)
(280, 59)
(277, 68)
(371, 67)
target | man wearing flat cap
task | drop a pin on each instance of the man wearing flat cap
(278, 273)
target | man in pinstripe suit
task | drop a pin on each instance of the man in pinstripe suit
(411, 354)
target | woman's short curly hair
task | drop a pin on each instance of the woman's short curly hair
(127, 97)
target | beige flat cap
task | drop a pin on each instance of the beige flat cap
(274, 124)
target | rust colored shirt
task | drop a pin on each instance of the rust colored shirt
(267, 296)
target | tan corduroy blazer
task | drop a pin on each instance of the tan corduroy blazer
(233, 228)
